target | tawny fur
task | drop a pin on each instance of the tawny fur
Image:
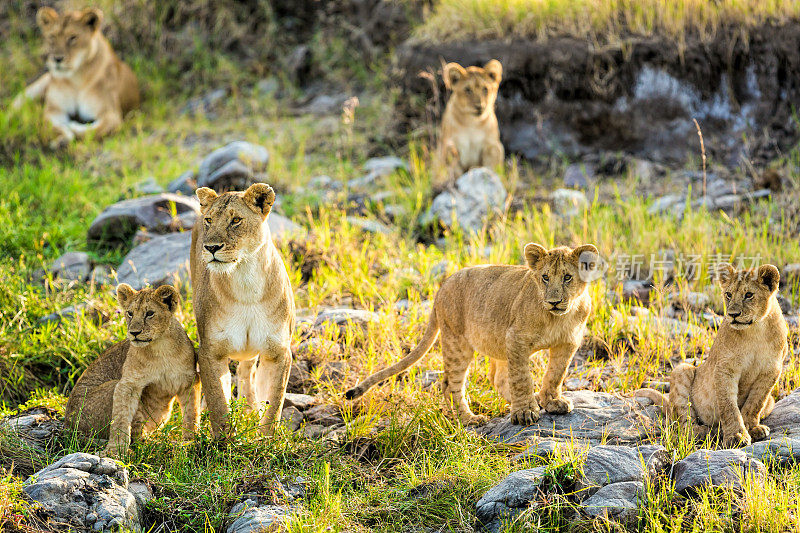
(87, 89)
(732, 388)
(243, 302)
(507, 313)
(131, 387)
(470, 136)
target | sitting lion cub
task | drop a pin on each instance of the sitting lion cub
(470, 136)
(507, 313)
(732, 387)
(131, 387)
(87, 89)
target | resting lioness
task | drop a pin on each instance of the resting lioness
(87, 88)
(507, 313)
(131, 387)
(470, 136)
(732, 387)
(243, 302)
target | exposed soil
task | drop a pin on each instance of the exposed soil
(566, 97)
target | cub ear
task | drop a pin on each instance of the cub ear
(168, 296)
(125, 294)
(453, 73)
(205, 196)
(259, 197)
(769, 276)
(92, 18)
(534, 253)
(46, 16)
(725, 273)
(494, 70)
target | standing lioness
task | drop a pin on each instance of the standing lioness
(507, 313)
(87, 88)
(243, 302)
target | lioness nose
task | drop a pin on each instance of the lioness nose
(58, 59)
(213, 248)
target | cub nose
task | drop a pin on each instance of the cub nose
(58, 59)
(213, 248)
(135, 333)
(554, 303)
(734, 315)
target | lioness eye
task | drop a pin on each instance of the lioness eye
(748, 295)
(728, 295)
(149, 314)
(567, 277)
(235, 220)
(130, 314)
(545, 278)
(207, 220)
(72, 40)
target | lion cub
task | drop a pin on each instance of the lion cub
(507, 313)
(130, 388)
(87, 88)
(732, 387)
(470, 136)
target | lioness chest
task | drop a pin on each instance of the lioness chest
(247, 329)
(79, 105)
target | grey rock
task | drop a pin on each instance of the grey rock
(298, 64)
(596, 415)
(36, 427)
(387, 164)
(101, 275)
(205, 104)
(142, 492)
(605, 465)
(369, 226)
(428, 378)
(325, 183)
(343, 318)
(292, 417)
(333, 371)
(324, 104)
(617, 500)
(72, 266)
(645, 170)
(666, 204)
(71, 312)
(325, 415)
(509, 497)
(781, 450)
(268, 86)
(545, 449)
(119, 222)
(300, 401)
(163, 260)
(478, 194)
(298, 376)
(85, 491)
(183, 184)
(696, 301)
(633, 289)
(785, 416)
(717, 468)
(784, 303)
(578, 176)
(233, 166)
(791, 273)
(148, 186)
(249, 517)
(281, 228)
(568, 203)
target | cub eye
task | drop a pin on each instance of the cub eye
(748, 295)
(567, 277)
(149, 314)
(72, 40)
(728, 295)
(545, 278)
(468, 90)
(207, 221)
(235, 221)
(130, 314)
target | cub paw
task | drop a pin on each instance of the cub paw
(60, 143)
(525, 415)
(474, 420)
(559, 406)
(759, 432)
(740, 438)
(113, 452)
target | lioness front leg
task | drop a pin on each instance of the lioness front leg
(551, 396)
(34, 91)
(272, 376)
(524, 406)
(726, 390)
(107, 123)
(755, 403)
(61, 123)
(214, 373)
(127, 396)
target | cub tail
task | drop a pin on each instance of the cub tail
(658, 398)
(428, 338)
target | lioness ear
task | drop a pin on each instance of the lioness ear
(125, 294)
(453, 73)
(769, 276)
(259, 197)
(92, 18)
(205, 196)
(725, 273)
(534, 253)
(168, 295)
(46, 16)
(494, 70)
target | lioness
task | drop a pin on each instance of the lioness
(470, 136)
(732, 387)
(507, 313)
(131, 387)
(87, 88)
(243, 302)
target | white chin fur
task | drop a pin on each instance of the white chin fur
(221, 268)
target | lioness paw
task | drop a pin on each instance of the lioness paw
(559, 406)
(740, 438)
(60, 143)
(759, 432)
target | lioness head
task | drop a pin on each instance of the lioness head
(748, 293)
(69, 39)
(234, 225)
(561, 273)
(474, 88)
(148, 312)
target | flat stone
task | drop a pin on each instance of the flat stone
(568, 203)
(718, 468)
(617, 500)
(386, 164)
(148, 186)
(249, 517)
(163, 260)
(509, 497)
(101, 275)
(785, 416)
(159, 213)
(300, 401)
(232, 167)
(478, 194)
(183, 184)
(298, 376)
(292, 417)
(428, 378)
(781, 450)
(343, 318)
(369, 225)
(324, 414)
(333, 371)
(578, 176)
(606, 464)
(35, 427)
(72, 266)
(638, 290)
(596, 415)
(666, 204)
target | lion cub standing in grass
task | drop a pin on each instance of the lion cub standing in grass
(470, 136)
(732, 387)
(87, 88)
(507, 313)
(243, 302)
(131, 387)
